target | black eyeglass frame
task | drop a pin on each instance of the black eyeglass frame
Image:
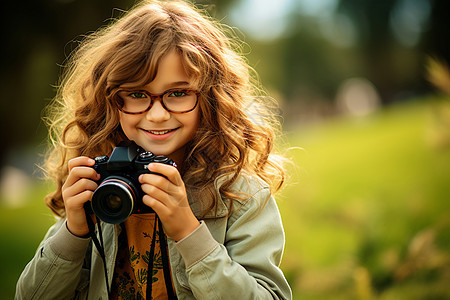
(159, 97)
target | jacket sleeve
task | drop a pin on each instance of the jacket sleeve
(246, 265)
(54, 271)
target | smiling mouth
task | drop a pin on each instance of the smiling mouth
(160, 132)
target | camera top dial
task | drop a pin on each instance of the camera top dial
(146, 156)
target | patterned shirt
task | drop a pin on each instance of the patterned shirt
(130, 274)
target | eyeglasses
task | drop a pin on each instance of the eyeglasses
(177, 101)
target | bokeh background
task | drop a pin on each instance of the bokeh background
(364, 100)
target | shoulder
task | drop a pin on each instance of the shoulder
(246, 186)
(249, 192)
(253, 195)
(59, 222)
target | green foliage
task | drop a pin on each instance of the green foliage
(366, 214)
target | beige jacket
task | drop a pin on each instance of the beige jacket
(232, 256)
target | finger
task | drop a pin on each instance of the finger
(77, 201)
(163, 185)
(80, 186)
(80, 161)
(159, 207)
(79, 172)
(169, 171)
(156, 180)
(156, 194)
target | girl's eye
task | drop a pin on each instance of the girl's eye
(137, 95)
(177, 94)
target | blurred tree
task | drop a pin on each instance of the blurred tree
(375, 41)
(313, 66)
(395, 37)
(303, 65)
(437, 37)
(384, 41)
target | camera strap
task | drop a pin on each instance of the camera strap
(98, 243)
(165, 261)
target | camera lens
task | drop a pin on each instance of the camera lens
(113, 201)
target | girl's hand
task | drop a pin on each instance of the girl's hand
(167, 197)
(78, 189)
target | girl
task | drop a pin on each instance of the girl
(164, 76)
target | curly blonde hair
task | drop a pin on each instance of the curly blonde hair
(236, 132)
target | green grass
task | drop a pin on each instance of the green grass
(366, 211)
(365, 190)
(21, 230)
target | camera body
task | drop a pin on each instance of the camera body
(119, 193)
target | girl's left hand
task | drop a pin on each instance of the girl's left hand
(167, 197)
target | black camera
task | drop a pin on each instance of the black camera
(119, 193)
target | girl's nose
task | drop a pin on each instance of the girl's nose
(157, 113)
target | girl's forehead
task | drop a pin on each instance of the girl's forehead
(168, 72)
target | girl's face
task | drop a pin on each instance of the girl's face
(158, 130)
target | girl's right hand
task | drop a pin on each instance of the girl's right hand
(77, 190)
